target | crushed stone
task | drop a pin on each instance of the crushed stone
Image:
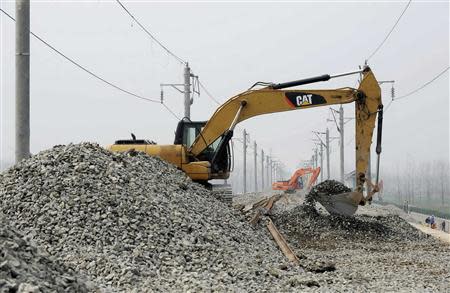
(24, 268)
(131, 222)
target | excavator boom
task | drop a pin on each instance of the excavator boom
(273, 98)
(265, 101)
(208, 156)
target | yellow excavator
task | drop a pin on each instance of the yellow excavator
(202, 149)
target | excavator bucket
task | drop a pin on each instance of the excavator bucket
(342, 203)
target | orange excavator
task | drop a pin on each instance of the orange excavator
(303, 178)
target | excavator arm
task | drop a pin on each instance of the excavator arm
(274, 98)
(209, 157)
(265, 101)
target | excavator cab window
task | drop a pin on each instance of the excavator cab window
(189, 135)
(187, 131)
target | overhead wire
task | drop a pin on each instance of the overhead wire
(151, 35)
(208, 93)
(387, 107)
(417, 89)
(179, 59)
(409, 94)
(424, 85)
(171, 112)
(166, 49)
(390, 32)
(89, 71)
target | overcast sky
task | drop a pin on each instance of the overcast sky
(230, 46)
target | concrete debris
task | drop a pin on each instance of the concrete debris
(130, 222)
(25, 269)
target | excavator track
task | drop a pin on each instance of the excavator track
(223, 192)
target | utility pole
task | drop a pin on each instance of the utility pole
(22, 79)
(327, 141)
(341, 132)
(262, 170)
(369, 171)
(255, 154)
(187, 91)
(245, 160)
(340, 128)
(315, 157)
(268, 164)
(275, 171)
(326, 145)
(274, 168)
(271, 172)
(321, 162)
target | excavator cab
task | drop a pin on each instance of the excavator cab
(187, 131)
(217, 153)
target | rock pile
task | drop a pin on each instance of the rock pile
(328, 187)
(378, 251)
(309, 225)
(24, 269)
(308, 222)
(134, 222)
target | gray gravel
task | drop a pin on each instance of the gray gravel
(134, 223)
(23, 268)
(130, 222)
(377, 251)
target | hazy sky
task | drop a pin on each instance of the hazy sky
(230, 46)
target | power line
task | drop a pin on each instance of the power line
(208, 93)
(85, 69)
(171, 112)
(166, 49)
(424, 85)
(387, 107)
(151, 35)
(390, 32)
(89, 71)
(410, 93)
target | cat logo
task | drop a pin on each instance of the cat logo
(304, 100)
(301, 99)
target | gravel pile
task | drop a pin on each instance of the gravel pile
(327, 187)
(366, 252)
(308, 222)
(133, 222)
(312, 226)
(23, 268)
